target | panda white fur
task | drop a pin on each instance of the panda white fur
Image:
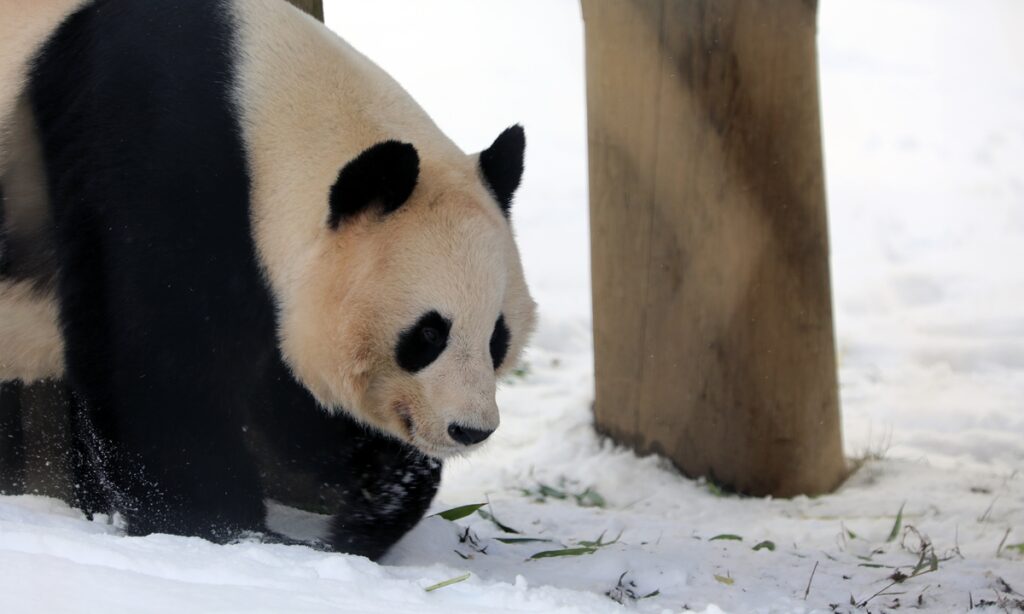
(30, 342)
(237, 200)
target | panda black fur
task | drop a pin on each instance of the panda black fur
(213, 251)
(374, 487)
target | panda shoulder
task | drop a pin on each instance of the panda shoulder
(24, 28)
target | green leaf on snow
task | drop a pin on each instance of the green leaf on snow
(897, 525)
(447, 582)
(460, 512)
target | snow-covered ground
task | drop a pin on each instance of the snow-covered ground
(925, 160)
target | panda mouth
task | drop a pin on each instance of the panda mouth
(436, 451)
(427, 447)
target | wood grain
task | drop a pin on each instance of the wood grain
(713, 325)
(313, 7)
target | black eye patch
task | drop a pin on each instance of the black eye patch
(499, 342)
(423, 342)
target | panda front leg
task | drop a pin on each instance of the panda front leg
(374, 487)
(162, 389)
(199, 488)
(390, 488)
(171, 462)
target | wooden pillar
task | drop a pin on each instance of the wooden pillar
(313, 7)
(713, 327)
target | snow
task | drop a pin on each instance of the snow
(924, 142)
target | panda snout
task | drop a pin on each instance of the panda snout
(466, 435)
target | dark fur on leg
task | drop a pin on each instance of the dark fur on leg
(12, 441)
(375, 487)
(399, 485)
(168, 324)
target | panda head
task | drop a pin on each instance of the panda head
(414, 303)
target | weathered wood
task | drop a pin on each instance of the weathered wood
(313, 7)
(713, 326)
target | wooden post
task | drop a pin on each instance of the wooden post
(313, 7)
(713, 327)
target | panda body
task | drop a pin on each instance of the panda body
(251, 224)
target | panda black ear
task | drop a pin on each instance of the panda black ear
(501, 165)
(383, 176)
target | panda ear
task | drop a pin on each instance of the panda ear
(501, 165)
(383, 176)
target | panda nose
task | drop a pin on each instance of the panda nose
(467, 436)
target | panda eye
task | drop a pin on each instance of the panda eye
(499, 342)
(431, 335)
(421, 344)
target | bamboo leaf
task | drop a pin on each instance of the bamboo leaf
(580, 551)
(460, 512)
(725, 580)
(765, 545)
(522, 540)
(897, 525)
(548, 491)
(596, 544)
(447, 582)
(590, 498)
(600, 543)
(504, 527)
(726, 536)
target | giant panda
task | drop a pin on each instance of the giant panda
(255, 260)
